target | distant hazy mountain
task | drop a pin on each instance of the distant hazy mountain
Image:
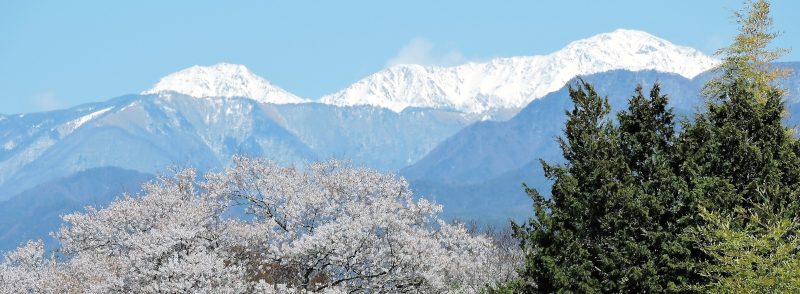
(151, 132)
(512, 83)
(37, 211)
(478, 172)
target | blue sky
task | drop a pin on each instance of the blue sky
(56, 54)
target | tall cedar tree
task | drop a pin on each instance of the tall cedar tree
(595, 235)
(739, 159)
(647, 137)
(738, 153)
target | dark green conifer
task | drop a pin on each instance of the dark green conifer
(647, 137)
(739, 160)
(738, 153)
(588, 237)
(637, 208)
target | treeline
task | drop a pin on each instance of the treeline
(647, 204)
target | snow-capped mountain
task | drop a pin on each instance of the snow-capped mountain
(494, 87)
(512, 83)
(223, 80)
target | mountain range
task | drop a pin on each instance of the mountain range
(512, 83)
(466, 135)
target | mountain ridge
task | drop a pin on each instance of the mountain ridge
(493, 88)
(513, 82)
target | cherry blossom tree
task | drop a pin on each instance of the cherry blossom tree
(28, 270)
(258, 227)
(167, 240)
(333, 225)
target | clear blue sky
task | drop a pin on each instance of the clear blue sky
(56, 54)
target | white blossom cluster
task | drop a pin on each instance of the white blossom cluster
(327, 228)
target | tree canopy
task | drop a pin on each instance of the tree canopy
(327, 227)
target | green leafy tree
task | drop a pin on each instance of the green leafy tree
(748, 59)
(761, 257)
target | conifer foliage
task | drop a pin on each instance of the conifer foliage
(641, 207)
(739, 153)
(742, 166)
(612, 209)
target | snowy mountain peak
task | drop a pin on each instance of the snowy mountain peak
(638, 50)
(513, 82)
(223, 80)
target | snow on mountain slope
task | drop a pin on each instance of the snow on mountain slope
(73, 125)
(511, 83)
(223, 80)
(478, 88)
(152, 132)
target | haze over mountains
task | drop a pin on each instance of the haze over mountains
(465, 135)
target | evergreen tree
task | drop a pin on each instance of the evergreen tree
(739, 153)
(590, 237)
(637, 208)
(738, 156)
(647, 138)
(648, 130)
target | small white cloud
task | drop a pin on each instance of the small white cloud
(714, 42)
(420, 51)
(47, 101)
